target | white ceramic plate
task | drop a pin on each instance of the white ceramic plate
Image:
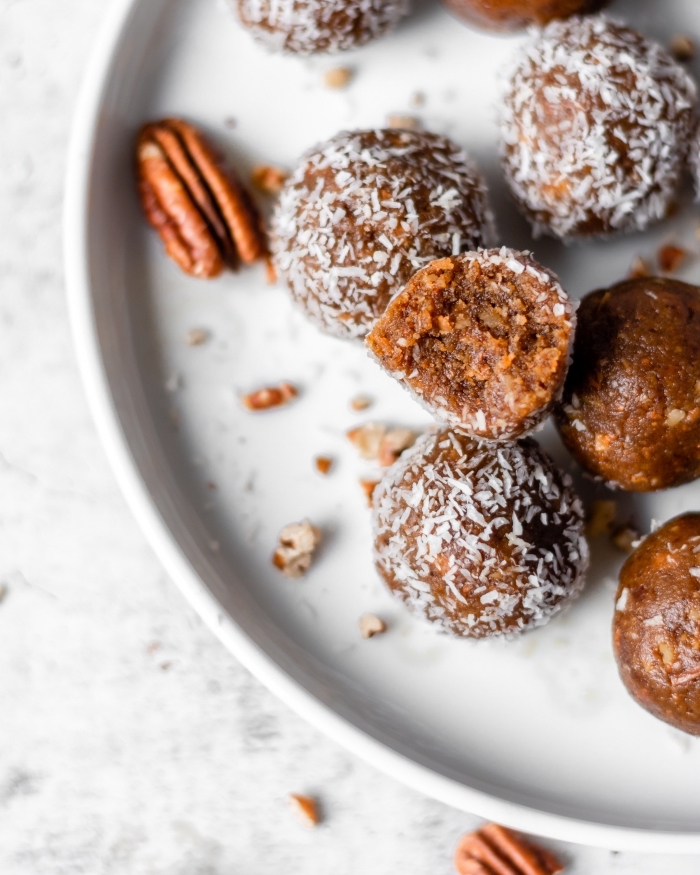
(538, 733)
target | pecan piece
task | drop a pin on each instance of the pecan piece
(203, 214)
(495, 850)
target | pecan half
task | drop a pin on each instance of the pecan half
(204, 216)
(495, 850)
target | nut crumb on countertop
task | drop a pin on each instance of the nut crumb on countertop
(270, 396)
(404, 122)
(360, 402)
(671, 258)
(368, 487)
(371, 625)
(297, 543)
(367, 439)
(338, 77)
(306, 808)
(268, 179)
(496, 850)
(682, 48)
(197, 336)
(323, 464)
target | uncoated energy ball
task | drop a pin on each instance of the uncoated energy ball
(595, 129)
(364, 211)
(312, 26)
(481, 539)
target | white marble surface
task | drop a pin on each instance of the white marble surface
(130, 741)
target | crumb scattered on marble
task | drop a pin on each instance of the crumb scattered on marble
(338, 77)
(360, 402)
(368, 487)
(394, 442)
(367, 439)
(671, 258)
(323, 464)
(297, 544)
(306, 809)
(638, 269)
(197, 336)
(371, 625)
(269, 397)
(600, 518)
(403, 122)
(682, 48)
(268, 178)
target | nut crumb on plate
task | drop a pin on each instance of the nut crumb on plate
(626, 539)
(360, 402)
(297, 543)
(404, 122)
(306, 809)
(671, 258)
(367, 439)
(682, 47)
(601, 517)
(323, 464)
(197, 336)
(3, 591)
(368, 487)
(417, 99)
(268, 179)
(270, 396)
(394, 442)
(639, 268)
(337, 77)
(371, 625)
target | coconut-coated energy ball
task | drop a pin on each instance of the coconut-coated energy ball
(306, 27)
(595, 129)
(481, 339)
(630, 412)
(367, 209)
(656, 629)
(516, 14)
(481, 539)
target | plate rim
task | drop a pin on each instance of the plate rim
(144, 508)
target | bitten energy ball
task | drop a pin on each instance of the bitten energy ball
(656, 630)
(630, 412)
(312, 26)
(364, 211)
(481, 339)
(516, 14)
(595, 129)
(482, 540)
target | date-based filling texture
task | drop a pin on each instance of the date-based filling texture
(482, 339)
(656, 631)
(305, 27)
(595, 128)
(630, 411)
(367, 209)
(516, 14)
(481, 539)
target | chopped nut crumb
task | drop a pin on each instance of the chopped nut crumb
(674, 417)
(368, 487)
(337, 77)
(360, 402)
(230, 123)
(638, 269)
(197, 336)
(323, 464)
(671, 258)
(394, 442)
(270, 396)
(306, 809)
(417, 99)
(367, 439)
(682, 48)
(270, 272)
(406, 122)
(495, 849)
(371, 625)
(268, 179)
(601, 518)
(626, 539)
(3, 591)
(297, 543)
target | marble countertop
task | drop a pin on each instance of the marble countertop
(130, 740)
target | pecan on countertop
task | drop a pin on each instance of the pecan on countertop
(204, 216)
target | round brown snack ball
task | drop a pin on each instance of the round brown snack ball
(481, 539)
(364, 211)
(656, 630)
(306, 27)
(516, 14)
(595, 129)
(481, 339)
(630, 412)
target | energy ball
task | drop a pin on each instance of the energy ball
(630, 412)
(595, 129)
(656, 630)
(481, 539)
(481, 339)
(306, 27)
(516, 14)
(364, 211)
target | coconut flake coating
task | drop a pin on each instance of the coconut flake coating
(308, 27)
(481, 339)
(656, 630)
(481, 539)
(595, 129)
(367, 209)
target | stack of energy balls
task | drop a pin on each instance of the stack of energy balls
(387, 237)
